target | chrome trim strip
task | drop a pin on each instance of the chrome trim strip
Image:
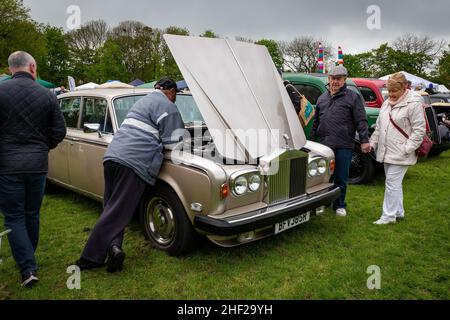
(281, 206)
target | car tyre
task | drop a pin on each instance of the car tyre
(435, 152)
(362, 169)
(165, 222)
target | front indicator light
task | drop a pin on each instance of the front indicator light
(224, 191)
(332, 166)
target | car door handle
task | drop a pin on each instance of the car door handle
(72, 140)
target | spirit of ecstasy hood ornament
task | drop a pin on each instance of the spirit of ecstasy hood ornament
(286, 140)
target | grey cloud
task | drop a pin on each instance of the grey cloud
(279, 20)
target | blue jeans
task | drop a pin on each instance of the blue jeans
(20, 202)
(340, 176)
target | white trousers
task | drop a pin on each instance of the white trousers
(393, 194)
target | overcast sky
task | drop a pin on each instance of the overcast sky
(341, 22)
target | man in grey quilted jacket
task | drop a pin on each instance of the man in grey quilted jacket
(31, 123)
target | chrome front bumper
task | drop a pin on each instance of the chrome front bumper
(268, 216)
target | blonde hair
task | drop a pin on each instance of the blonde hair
(397, 82)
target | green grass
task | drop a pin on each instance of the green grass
(326, 258)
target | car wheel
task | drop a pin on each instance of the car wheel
(362, 169)
(435, 152)
(165, 222)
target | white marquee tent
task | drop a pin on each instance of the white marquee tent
(87, 86)
(415, 80)
(442, 89)
(114, 85)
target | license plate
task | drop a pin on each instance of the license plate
(291, 222)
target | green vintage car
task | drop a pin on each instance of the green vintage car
(312, 86)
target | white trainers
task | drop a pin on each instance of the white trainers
(341, 212)
(30, 279)
(382, 221)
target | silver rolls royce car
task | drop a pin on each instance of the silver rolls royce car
(244, 170)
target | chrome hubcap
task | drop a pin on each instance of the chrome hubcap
(160, 221)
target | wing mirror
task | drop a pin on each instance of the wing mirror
(91, 128)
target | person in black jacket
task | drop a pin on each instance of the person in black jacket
(339, 114)
(31, 123)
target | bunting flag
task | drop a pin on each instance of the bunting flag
(340, 56)
(320, 65)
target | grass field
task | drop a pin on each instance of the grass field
(326, 258)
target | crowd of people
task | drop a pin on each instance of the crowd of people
(29, 128)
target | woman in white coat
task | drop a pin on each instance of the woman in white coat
(392, 148)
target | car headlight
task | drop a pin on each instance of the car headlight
(317, 167)
(254, 182)
(240, 185)
(322, 166)
(312, 169)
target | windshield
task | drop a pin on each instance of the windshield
(185, 103)
(188, 109)
(426, 99)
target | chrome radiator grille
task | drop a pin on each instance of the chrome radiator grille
(290, 180)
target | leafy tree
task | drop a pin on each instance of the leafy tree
(360, 65)
(274, 51)
(109, 63)
(209, 34)
(140, 49)
(54, 64)
(18, 32)
(169, 67)
(84, 45)
(442, 72)
(301, 54)
(244, 39)
(388, 60)
(423, 49)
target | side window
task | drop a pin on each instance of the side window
(311, 93)
(95, 111)
(101, 103)
(70, 109)
(368, 94)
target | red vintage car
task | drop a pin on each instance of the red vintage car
(373, 91)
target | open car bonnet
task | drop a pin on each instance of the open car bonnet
(240, 95)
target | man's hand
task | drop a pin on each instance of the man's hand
(365, 147)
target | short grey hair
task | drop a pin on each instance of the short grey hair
(20, 59)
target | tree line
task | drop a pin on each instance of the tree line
(97, 52)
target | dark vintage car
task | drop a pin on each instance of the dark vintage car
(442, 113)
(440, 97)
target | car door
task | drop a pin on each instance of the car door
(58, 166)
(312, 94)
(87, 148)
